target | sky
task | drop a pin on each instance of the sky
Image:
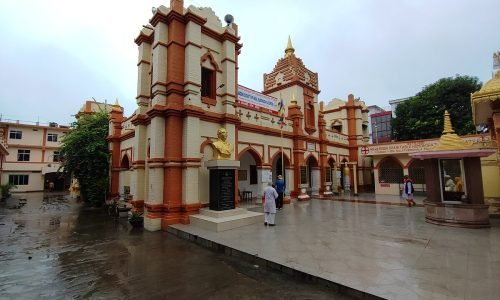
(57, 54)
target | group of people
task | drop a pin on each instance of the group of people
(272, 196)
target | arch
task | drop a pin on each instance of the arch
(416, 171)
(390, 170)
(125, 162)
(285, 158)
(389, 158)
(331, 161)
(208, 55)
(314, 161)
(256, 156)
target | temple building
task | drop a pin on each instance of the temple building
(188, 88)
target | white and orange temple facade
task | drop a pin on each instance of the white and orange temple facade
(188, 88)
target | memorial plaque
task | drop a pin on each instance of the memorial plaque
(222, 183)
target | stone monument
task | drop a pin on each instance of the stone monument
(222, 174)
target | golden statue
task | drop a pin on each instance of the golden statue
(221, 148)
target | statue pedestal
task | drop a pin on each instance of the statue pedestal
(222, 183)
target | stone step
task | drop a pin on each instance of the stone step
(222, 223)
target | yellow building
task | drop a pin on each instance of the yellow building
(33, 160)
(486, 112)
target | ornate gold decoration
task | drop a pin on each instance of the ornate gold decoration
(289, 49)
(116, 107)
(221, 148)
(489, 92)
(450, 140)
(294, 101)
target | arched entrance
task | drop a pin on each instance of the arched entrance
(312, 175)
(278, 167)
(248, 180)
(342, 173)
(333, 175)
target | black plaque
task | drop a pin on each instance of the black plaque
(222, 183)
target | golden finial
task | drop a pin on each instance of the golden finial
(294, 101)
(450, 140)
(447, 123)
(289, 49)
(116, 107)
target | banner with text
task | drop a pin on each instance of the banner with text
(251, 98)
(415, 146)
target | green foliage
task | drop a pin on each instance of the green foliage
(5, 190)
(85, 155)
(421, 117)
(135, 216)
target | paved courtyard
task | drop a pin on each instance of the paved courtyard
(374, 245)
(53, 249)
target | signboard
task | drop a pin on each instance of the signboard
(417, 145)
(311, 146)
(251, 98)
(267, 176)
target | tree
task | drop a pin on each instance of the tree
(85, 156)
(421, 116)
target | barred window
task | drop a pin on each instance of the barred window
(416, 172)
(390, 171)
(18, 179)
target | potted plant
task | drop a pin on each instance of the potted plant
(5, 190)
(136, 219)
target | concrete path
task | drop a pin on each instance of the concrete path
(385, 250)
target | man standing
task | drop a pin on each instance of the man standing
(408, 191)
(269, 195)
(280, 188)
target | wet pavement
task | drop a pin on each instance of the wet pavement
(53, 248)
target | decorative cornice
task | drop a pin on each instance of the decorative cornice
(191, 17)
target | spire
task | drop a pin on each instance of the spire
(294, 101)
(116, 107)
(447, 123)
(289, 49)
(450, 140)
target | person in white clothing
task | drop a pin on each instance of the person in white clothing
(269, 195)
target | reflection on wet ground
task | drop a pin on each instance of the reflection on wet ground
(53, 248)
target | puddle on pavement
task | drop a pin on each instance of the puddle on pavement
(51, 248)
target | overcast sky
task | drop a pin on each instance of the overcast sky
(56, 54)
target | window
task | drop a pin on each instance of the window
(452, 180)
(52, 137)
(253, 174)
(23, 155)
(18, 179)
(390, 172)
(16, 134)
(207, 83)
(56, 157)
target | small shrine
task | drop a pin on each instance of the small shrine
(454, 181)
